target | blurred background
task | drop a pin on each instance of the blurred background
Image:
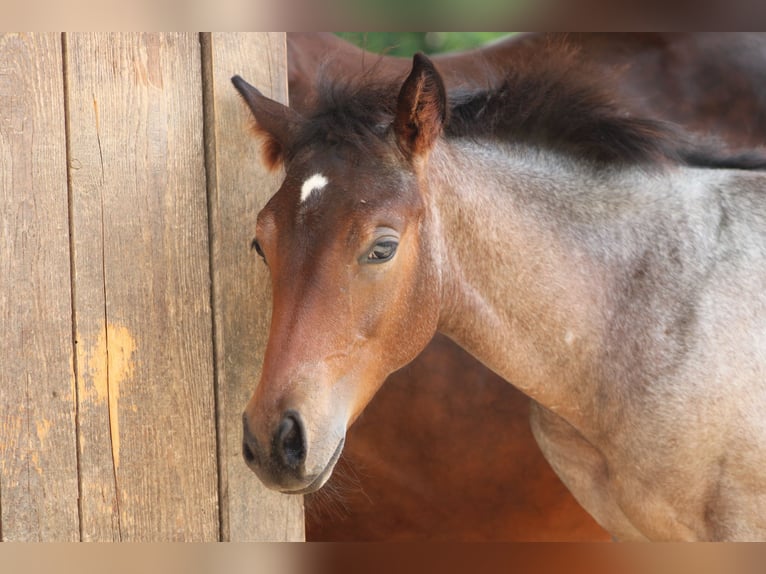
(407, 43)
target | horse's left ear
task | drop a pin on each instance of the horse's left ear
(421, 108)
(274, 121)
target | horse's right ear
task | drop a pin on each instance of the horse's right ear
(273, 121)
(421, 108)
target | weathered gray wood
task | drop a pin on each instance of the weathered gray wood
(238, 188)
(142, 374)
(38, 454)
(142, 288)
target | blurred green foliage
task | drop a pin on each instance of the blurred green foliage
(407, 43)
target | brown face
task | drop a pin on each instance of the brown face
(353, 301)
(354, 276)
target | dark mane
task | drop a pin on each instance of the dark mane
(553, 100)
(561, 106)
(353, 111)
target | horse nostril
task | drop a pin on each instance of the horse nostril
(248, 453)
(249, 444)
(289, 441)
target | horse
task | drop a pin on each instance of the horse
(606, 268)
(386, 484)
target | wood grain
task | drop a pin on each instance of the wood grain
(110, 357)
(38, 454)
(142, 288)
(238, 187)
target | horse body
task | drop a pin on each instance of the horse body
(586, 312)
(602, 288)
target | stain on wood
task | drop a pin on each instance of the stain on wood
(142, 288)
(110, 362)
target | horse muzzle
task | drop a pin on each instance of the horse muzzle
(281, 465)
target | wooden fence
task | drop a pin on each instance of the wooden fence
(133, 312)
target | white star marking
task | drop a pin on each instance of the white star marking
(316, 182)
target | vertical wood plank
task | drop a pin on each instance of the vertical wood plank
(238, 188)
(142, 285)
(38, 454)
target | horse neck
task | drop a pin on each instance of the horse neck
(531, 247)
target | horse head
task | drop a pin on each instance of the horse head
(354, 269)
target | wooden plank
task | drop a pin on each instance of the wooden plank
(38, 453)
(142, 284)
(238, 188)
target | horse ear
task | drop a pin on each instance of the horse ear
(273, 121)
(421, 108)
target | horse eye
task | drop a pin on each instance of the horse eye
(257, 246)
(382, 251)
